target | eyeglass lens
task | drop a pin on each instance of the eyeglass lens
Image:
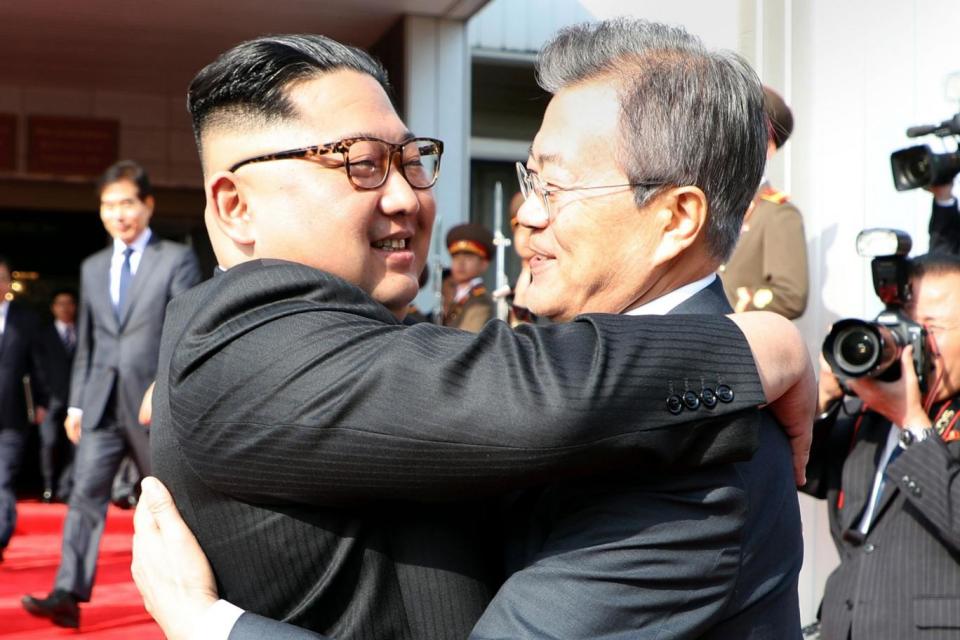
(369, 161)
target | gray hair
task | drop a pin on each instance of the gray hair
(689, 116)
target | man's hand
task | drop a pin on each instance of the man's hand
(146, 406)
(787, 377)
(899, 401)
(72, 427)
(941, 192)
(169, 567)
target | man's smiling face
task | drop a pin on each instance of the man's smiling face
(591, 253)
(308, 211)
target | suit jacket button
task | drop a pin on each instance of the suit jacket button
(849, 604)
(692, 400)
(725, 393)
(708, 397)
(674, 405)
(868, 548)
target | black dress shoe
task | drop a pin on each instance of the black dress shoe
(60, 607)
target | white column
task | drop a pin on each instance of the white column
(437, 104)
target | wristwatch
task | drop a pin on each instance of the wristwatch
(912, 435)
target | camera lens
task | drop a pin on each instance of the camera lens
(856, 349)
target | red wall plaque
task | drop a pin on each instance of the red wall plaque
(71, 146)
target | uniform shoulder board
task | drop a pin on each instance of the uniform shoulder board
(772, 195)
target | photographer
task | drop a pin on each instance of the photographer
(944, 221)
(888, 464)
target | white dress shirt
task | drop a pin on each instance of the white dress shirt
(668, 302)
(116, 261)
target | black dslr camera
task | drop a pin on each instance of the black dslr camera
(855, 348)
(919, 166)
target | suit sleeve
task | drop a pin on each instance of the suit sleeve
(944, 229)
(330, 408)
(250, 626)
(83, 349)
(187, 273)
(832, 437)
(40, 381)
(785, 262)
(928, 474)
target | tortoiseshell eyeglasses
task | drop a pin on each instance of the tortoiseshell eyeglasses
(367, 159)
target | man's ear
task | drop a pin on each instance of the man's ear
(683, 212)
(227, 205)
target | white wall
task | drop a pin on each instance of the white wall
(437, 93)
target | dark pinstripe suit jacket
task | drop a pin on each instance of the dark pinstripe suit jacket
(668, 555)
(903, 579)
(305, 432)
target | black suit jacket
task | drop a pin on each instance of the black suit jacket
(304, 432)
(57, 365)
(123, 353)
(902, 580)
(20, 355)
(944, 229)
(672, 554)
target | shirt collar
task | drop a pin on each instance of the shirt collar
(463, 290)
(138, 245)
(669, 301)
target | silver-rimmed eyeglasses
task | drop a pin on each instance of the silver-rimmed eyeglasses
(531, 184)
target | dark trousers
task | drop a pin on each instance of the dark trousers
(12, 440)
(56, 453)
(97, 459)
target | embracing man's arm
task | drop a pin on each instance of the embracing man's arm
(422, 413)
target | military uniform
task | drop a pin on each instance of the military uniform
(472, 306)
(768, 268)
(471, 313)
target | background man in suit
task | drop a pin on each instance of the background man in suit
(768, 268)
(436, 393)
(19, 356)
(124, 293)
(59, 340)
(889, 468)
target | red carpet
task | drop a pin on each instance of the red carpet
(115, 612)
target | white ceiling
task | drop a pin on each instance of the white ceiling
(156, 46)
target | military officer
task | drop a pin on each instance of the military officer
(768, 269)
(470, 247)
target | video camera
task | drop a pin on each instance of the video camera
(919, 166)
(856, 348)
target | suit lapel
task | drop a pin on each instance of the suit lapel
(99, 288)
(860, 470)
(141, 278)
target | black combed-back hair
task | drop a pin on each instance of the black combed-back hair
(247, 85)
(127, 170)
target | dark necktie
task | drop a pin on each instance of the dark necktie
(126, 275)
(69, 338)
